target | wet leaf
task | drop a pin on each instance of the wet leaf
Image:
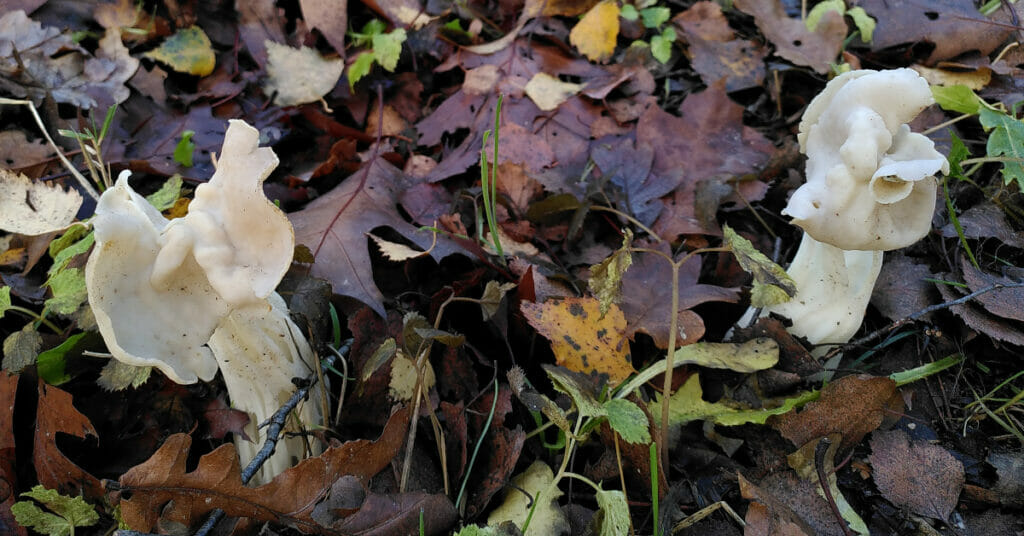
(596, 33)
(33, 207)
(919, 476)
(188, 51)
(582, 339)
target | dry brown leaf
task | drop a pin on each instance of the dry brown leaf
(918, 476)
(330, 17)
(715, 52)
(56, 414)
(1005, 302)
(596, 33)
(16, 152)
(792, 40)
(852, 406)
(216, 482)
(8, 476)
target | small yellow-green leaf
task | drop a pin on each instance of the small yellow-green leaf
(628, 420)
(614, 512)
(765, 271)
(21, 349)
(865, 24)
(183, 151)
(819, 10)
(118, 376)
(606, 276)
(359, 68)
(387, 48)
(168, 194)
(69, 293)
(188, 51)
(548, 519)
(5, 300)
(958, 98)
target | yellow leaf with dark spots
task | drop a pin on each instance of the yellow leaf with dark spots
(582, 339)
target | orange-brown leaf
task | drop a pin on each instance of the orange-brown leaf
(55, 413)
(583, 340)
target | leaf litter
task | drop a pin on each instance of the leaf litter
(629, 134)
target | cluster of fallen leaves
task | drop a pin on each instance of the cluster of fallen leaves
(519, 369)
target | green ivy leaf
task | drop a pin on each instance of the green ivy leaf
(628, 420)
(168, 194)
(359, 68)
(958, 98)
(614, 512)
(1006, 139)
(772, 285)
(183, 151)
(70, 512)
(387, 48)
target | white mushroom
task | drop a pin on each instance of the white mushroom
(196, 294)
(870, 188)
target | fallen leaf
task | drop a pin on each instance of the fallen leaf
(188, 51)
(919, 476)
(504, 447)
(1005, 302)
(977, 318)
(629, 168)
(596, 33)
(953, 26)
(298, 76)
(160, 486)
(687, 404)
(17, 152)
(548, 92)
(56, 414)
(8, 475)
(786, 503)
(804, 462)
(852, 406)
(531, 485)
(330, 17)
(352, 510)
(21, 348)
(582, 339)
(1010, 470)
(985, 220)
(221, 420)
(334, 227)
(901, 288)
(714, 51)
(33, 207)
(793, 41)
(260, 21)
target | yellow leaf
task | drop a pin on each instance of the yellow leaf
(299, 75)
(583, 340)
(547, 92)
(595, 34)
(187, 51)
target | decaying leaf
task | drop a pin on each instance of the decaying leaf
(33, 207)
(606, 276)
(714, 50)
(56, 414)
(804, 462)
(687, 404)
(596, 33)
(21, 348)
(298, 76)
(919, 476)
(118, 375)
(772, 285)
(583, 340)
(548, 519)
(548, 92)
(188, 51)
(791, 37)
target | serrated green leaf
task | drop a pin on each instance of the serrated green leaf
(5, 300)
(864, 22)
(21, 349)
(52, 363)
(118, 376)
(575, 385)
(661, 48)
(187, 51)
(183, 151)
(654, 17)
(958, 98)
(765, 271)
(1006, 139)
(628, 420)
(72, 512)
(64, 256)
(360, 68)
(69, 293)
(818, 11)
(614, 512)
(387, 48)
(167, 195)
(606, 276)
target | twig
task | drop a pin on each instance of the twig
(276, 425)
(820, 450)
(904, 321)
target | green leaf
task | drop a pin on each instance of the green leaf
(958, 152)
(118, 376)
(772, 285)
(629, 12)
(72, 235)
(374, 27)
(575, 385)
(71, 512)
(187, 51)
(661, 47)
(21, 349)
(654, 17)
(614, 512)
(51, 364)
(168, 194)
(5, 300)
(183, 151)
(865, 23)
(818, 11)
(359, 68)
(1006, 139)
(628, 420)
(606, 276)
(69, 293)
(687, 404)
(958, 98)
(64, 256)
(388, 47)
(473, 530)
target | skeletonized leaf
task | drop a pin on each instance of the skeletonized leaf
(34, 208)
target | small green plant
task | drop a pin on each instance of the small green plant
(90, 141)
(67, 512)
(489, 181)
(384, 49)
(653, 18)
